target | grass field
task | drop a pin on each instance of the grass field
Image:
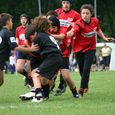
(100, 99)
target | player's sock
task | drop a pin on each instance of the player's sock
(81, 91)
(46, 90)
(38, 95)
(62, 83)
(30, 82)
(24, 73)
(75, 93)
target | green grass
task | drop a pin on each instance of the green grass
(100, 99)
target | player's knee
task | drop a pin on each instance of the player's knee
(19, 70)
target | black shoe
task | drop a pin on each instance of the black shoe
(81, 92)
(64, 88)
(58, 92)
(76, 96)
(27, 96)
(38, 98)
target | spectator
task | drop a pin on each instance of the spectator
(106, 54)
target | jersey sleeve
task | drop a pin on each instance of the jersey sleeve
(75, 28)
(11, 40)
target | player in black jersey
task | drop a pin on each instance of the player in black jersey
(50, 54)
(8, 42)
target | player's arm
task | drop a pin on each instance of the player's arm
(13, 45)
(72, 32)
(58, 36)
(25, 49)
(101, 34)
(26, 43)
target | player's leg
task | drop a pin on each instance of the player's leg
(20, 66)
(88, 60)
(29, 78)
(1, 77)
(38, 87)
(1, 73)
(69, 81)
(80, 60)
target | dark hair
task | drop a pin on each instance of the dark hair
(30, 30)
(87, 6)
(67, 0)
(41, 23)
(54, 21)
(4, 17)
(52, 12)
(24, 15)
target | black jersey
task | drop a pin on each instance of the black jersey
(7, 43)
(47, 44)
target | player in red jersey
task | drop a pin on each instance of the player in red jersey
(23, 57)
(84, 46)
(67, 17)
(59, 36)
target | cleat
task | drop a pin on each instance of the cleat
(27, 96)
(76, 96)
(38, 98)
(85, 90)
(58, 92)
(64, 88)
(81, 92)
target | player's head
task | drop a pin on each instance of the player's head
(55, 24)
(41, 23)
(24, 19)
(6, 20)
(50, 13)
(66, 5)
(86, 12)
(30, 33)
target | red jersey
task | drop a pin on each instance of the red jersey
(59, 11)
(66, 19)
(20, 35)
(85, 35)
(63, 45)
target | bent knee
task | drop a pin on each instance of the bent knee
(19, 70)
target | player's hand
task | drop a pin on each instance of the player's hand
(110, 39)
(70, 34)
(35, 47)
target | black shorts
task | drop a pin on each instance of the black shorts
(23, 55)
(50, 66)
(65, 63)
(35, 62)
(3, 59)
(2, 63)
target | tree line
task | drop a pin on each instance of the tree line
(105, 10)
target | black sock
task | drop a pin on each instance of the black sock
(38, 90)
(24, 73)
(62, 82)
(30, 81)
(74, 91)
(45, 90)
